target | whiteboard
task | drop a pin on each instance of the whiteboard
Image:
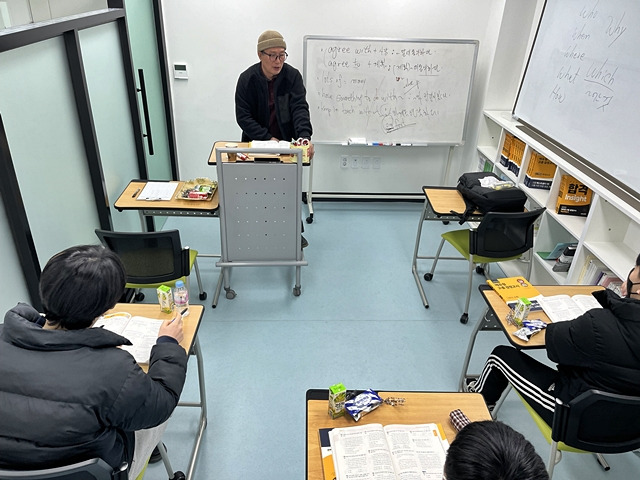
(581, 87)
(389, 91)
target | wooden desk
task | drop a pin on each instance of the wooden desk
(307, 197)
(192, 346)
(128, 200)
(439, 203)
(497, 310)
(420, 407)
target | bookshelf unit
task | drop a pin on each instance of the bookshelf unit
(608, 235)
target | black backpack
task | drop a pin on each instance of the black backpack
(485, 199)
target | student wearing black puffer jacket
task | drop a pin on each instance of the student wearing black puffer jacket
(597, 350)
(67, 393)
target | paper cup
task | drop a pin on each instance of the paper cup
(231, 157)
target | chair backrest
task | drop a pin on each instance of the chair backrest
(149, 257)
(94, 469)
(502, 234)
(599, 422)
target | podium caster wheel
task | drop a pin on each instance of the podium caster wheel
(230, 294)
(203, 296)
(479, 270)
(139, 297)
(464, 318)
(428, 277)
(296, 291)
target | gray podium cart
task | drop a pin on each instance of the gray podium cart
(260, 214)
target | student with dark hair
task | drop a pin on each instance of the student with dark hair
(492, 451)
(67, 393)
(598, 349)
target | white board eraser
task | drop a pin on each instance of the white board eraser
(357, 141)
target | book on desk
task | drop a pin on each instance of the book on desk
(510, 289)
(401, 451)
(142, 332)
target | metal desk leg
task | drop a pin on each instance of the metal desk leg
(310, 194)
(165, 458)
(203, 408)
(472, 340)
(414, 265)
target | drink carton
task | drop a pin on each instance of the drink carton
(337, 397)
(165, 298)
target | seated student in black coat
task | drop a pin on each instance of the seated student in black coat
(600, 349)
(67, 393)
(492, 450)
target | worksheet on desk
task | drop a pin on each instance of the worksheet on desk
(158, 191)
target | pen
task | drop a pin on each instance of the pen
(184, 310)
(135, 193)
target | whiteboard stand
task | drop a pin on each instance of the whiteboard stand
(260, 215)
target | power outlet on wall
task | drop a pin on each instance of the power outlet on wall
(355, 161)
(366, 162)
(344, 161)
(376, 162)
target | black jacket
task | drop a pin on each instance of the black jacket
(252, 104)
(67, 396)
(600, 349)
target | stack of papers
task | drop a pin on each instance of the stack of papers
(158, 191)
(270, 144)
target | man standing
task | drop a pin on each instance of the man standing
(270, 96)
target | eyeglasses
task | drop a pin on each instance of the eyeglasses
(276, 56)
(630, 284)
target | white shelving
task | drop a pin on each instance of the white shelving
(609, 234)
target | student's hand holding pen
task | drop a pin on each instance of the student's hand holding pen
(173, 328)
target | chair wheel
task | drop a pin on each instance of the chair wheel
(139, 297)
(296, 291)
(428, 277)
(230, 294)
(445, 222)
(309, 219)
(464, 318)
(203, 296)
(479, 270)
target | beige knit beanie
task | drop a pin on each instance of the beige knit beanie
(270, 39)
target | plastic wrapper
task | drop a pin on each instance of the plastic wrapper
(529, 329)
(362, 404)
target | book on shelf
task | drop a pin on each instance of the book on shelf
(390, 452)
(557, 251)
(510, 289)
(560, 308)
(563, 262)
(506, 149)
(142, 332)
(328, 470)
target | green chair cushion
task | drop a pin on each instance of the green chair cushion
(459, 239)
(546, 429)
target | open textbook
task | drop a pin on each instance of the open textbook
(392, 452)
(140, 331)
(560, 308)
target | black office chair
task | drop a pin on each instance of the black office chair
(594, 422)
(152, 259)
(94, 469)
(499, 237)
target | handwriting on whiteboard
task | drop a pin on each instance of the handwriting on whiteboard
(583, 75)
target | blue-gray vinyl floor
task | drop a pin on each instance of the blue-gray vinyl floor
(359, 321)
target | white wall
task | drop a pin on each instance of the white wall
(217, 40)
